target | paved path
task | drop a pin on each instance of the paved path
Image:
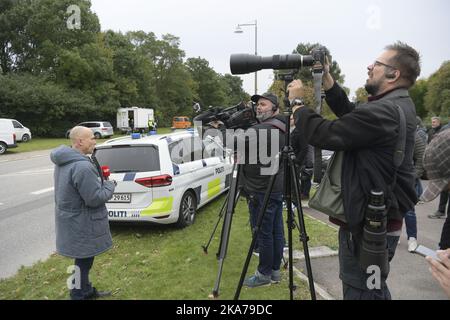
(409, 278)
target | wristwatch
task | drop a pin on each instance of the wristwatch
(297, 102)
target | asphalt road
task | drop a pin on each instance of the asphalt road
(27, 228)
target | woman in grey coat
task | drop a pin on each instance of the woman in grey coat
(81, 218)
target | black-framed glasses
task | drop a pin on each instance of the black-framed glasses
(378, 63)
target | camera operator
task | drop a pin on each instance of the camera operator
(255, 179)
(368, 135)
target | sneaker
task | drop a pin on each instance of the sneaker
(256, 252)
(412, 244)
(257, 280)
(437, 215)
(276, 276)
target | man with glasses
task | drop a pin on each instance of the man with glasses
(369, 135)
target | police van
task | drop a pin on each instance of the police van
(164, 178)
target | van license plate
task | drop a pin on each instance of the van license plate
(121, 198)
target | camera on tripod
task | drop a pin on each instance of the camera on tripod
(247, 63)
(236, 117)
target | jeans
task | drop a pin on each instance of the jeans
(410, 216)
(411, 224)
(270, 237)
(306, 187)
(85, 290)
(354, 278)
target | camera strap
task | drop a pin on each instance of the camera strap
(317, 76)
(277, 124)
(399, 151)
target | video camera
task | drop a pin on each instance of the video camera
(247, 63)
(237, 117)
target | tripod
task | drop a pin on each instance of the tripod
(287, 156)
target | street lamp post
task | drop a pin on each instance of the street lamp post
(239, 30)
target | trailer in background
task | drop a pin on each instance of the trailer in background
(134, 119)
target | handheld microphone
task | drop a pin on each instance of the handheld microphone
(106, 172)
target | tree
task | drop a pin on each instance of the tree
(211, 91)
(418, 93)
(437, 98)
(234, 92)
(46, 108)
(36, 31)
(361, 95)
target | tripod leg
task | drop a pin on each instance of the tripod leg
(222, 211)
(205, 247)
(225, 235)
(303, 236)
(288, 199)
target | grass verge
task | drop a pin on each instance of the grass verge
(162, 262)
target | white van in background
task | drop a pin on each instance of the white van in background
(7, 135)
(23, 134)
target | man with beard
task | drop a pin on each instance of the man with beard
(265, 138)
(369, 135)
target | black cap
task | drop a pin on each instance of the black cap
(268, 95)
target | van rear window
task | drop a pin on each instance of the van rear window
(129, 158)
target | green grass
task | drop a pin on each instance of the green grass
(38, 143)
(162, 262)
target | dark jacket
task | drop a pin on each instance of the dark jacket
(300, 147)
(432, 132)
(368, 134)
(81, 218)
(419, 150)
(255, 175)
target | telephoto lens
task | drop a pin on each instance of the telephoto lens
(374, 243)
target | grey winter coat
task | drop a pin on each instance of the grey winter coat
(81, 218)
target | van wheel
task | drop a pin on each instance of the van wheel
(25, 138)
(3, 148)
(188, 208)
(97, 135)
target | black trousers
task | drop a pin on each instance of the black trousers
(443, 200)
(354, 279)
(445, 235)
(85, 290)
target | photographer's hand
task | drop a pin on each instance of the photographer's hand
(327, 81)
(441, 270)
(295, 89)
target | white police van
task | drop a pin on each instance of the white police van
(164, 178)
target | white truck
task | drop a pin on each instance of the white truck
(134, 119)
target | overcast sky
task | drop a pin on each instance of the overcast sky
(355, 31)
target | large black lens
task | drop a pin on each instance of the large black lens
(247, 63)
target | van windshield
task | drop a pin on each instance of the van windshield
(122, 159)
